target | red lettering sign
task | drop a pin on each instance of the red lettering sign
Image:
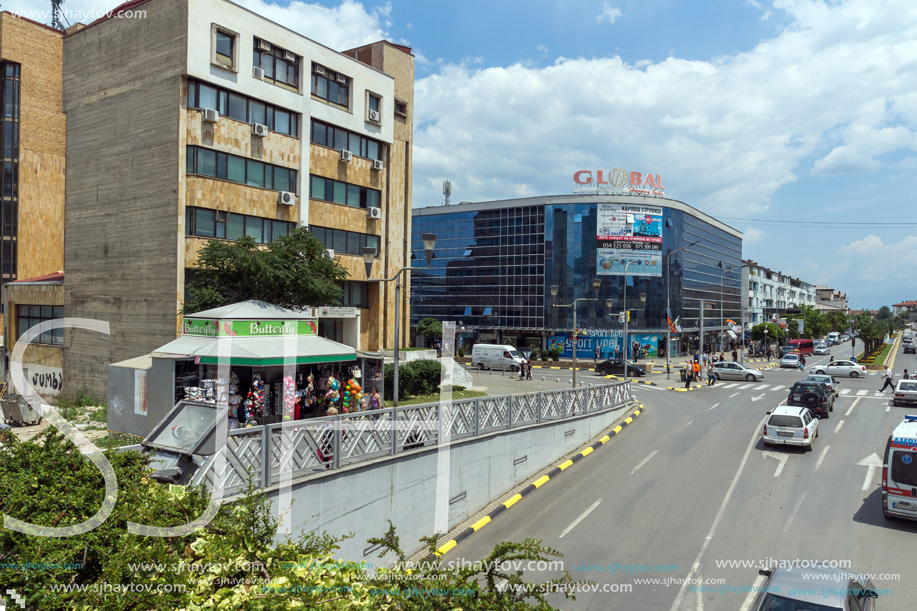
(580, 181)
(635, 178)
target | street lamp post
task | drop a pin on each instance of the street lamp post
(596, 283)
(369, 253)
(626, 317)
(668, 333)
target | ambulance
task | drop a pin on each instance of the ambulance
(899, 472)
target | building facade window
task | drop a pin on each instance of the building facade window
(251, 172)
(9, 170)
(330, 86)
(401, 108)
(356, 294)
(27, 316)
(344, 140)
(373, 108)
(345, 193)
(224, 44)
(241, 108)
(218, 224)
(345, 242)
(280, 66)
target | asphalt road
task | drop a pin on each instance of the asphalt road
(690, 492)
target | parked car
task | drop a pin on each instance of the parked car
(790, 425)
(905, 392)
(790, 360)
(910, 349)
(616, 367)
(818, 587)
(737, 371)
(831, 382)
(814, 395)
(840, 368)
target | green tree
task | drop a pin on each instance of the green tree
(837, 321)
(814, 323)
(774, 333)
(884, 313)
(430, 328)
(293, 271)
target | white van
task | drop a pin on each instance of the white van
(834, 337)
(495, 356)
(899, 472)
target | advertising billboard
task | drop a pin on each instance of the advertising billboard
(629, 233)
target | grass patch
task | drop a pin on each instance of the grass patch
(413, 349)
(461, 394)
(878, 359)
(100, 415)
(80, 400)
(116, 440)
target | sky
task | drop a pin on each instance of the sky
(791, 120)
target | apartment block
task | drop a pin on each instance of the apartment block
(769, 292)
(203, 120)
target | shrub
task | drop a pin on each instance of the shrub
(461, 353)
(555, 353)
(414, 378)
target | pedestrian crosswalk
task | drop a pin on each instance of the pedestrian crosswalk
(783, 387)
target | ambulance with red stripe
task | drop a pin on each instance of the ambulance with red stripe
(899, 472)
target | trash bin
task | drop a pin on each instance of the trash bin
(684, 375)
(17, 410)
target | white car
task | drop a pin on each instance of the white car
(790, 360)
(833, 385)
(736, 371)
(840, 368)
(791, 426)
(820, 350)
(905, 392)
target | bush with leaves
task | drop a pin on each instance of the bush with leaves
(232, 563)
(420, 377)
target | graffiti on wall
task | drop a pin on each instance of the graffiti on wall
(46, 380)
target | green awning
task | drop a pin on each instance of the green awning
(260, 351)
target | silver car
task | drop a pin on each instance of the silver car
(833, 384)
(815, 587)
(790, 360)
(905, 392)
(840, 368)
(737, 371)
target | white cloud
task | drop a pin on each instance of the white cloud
(835, 86)
(543, 49)
(609, 14)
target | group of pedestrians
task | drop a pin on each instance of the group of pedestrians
(525, 370)
(889, 378)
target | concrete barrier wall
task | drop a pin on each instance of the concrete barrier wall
(362, 498)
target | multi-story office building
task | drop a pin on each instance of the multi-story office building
(495, 263)
(203, 120)
(32, 147)
(770, 293)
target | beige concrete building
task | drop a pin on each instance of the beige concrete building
(203, 120)
(32, 148)
(29, 302)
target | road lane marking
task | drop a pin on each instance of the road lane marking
(845, 391)
(781, 458)
(838, 427)
(699, 606)
(690, 422)
(852, 405)
(733, 385)
(888, 408)
(821, 458)
(643, 462)
(795, 509)
(862, 393)
(744, 386)
(735, 394)
(759, 581)
(580, 519)
(714, 405)
(719, 514)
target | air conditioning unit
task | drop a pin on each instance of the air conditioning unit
(318, 69)
(375, 115)
(342, 78)
(330, 253)
(375, 213)
(258, 73)
(286, 198)
(377, 164)
(264, 45)
(211, 115)
(259, 130)
(289, 56)
(346, 155)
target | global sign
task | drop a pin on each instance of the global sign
(618, 180)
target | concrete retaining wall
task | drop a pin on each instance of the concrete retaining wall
(361, 499)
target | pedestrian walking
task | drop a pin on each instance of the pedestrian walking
(689, 374)
(528, 370)
(696, 371)
(596, 359)
(375, 403)
(906, 377)
(889, 379)
(711, 375)
(735, 356)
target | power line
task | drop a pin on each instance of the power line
(827, 224)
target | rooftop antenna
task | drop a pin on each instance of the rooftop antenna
(447, 191)
(56, 13)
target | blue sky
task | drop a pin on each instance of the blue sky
(778, 116)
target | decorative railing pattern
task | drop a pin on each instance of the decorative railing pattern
(292, 450)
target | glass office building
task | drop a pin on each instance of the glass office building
(495, 264)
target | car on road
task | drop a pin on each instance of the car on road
(831, 382)
(790, 425)
(910, 349)
(790, 360)
(840, 368)
(616, 367)
(899, 473)
(820, 350)
(797, 586)
(737, 371)
(907, 340)
(785, 349)
(814, 395)
(905, 392)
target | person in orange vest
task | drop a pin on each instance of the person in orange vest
(696, 371)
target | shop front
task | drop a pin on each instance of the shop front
(279, 369)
